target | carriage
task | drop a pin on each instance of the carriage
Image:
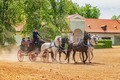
(77, 27)
(29, 49)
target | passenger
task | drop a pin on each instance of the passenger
(28, 40)
(23, 42)
(28, 44)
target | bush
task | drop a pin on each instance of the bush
(104, 44)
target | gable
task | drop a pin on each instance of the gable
(75, 16)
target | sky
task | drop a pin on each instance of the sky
(108, 8)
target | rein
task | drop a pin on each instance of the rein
(53, 46)
(56, 45)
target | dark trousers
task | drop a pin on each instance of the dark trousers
(35, 39)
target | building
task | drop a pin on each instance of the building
(18, 36)
(77, 27)
(104, 28)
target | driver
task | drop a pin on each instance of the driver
(35, 35)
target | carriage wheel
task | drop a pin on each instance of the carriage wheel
(20, 55)
(32, 56)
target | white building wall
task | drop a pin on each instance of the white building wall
(18, 38)
(106, 35)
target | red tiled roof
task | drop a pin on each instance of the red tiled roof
(94, 25)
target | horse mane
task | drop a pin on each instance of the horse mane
(57, 37)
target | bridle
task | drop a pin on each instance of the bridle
(95, 40)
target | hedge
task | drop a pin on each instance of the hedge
(104, 44)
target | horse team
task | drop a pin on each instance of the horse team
(85, 48)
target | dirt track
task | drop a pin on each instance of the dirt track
(105, 66)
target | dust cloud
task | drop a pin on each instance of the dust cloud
(9, 53)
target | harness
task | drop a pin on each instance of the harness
(82, 42)
(54, 45)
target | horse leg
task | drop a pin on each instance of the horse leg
(80, 56)
(52, 56)
(91, 55)
(68, 55)
(60, 57)
(47, 57)
(55, 55)
(86, 56)
(74, 52)
(64, 53)
(83, 58)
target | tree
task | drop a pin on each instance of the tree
(35, 12)
(48, 32)
(88, 11)
(72, 8)
(59, 13)
(9, 14)
(51, 13)
(115, 17)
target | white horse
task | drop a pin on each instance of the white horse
(52, 48)
(91, 43)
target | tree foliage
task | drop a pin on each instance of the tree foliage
(46, 15)
(48, 32)
(88, 11)
(72, 8)
(59, 13)
(115, 17)
(51, 13)
(9, 14)
(35, 11)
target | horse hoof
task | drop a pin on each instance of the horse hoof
(84, 62)
(90, 62)
(75, 62)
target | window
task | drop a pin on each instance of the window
(106, 38)
(104, 27)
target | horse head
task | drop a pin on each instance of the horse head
(58, 40)
(65, 40)
(86, 38)
(94, 40)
